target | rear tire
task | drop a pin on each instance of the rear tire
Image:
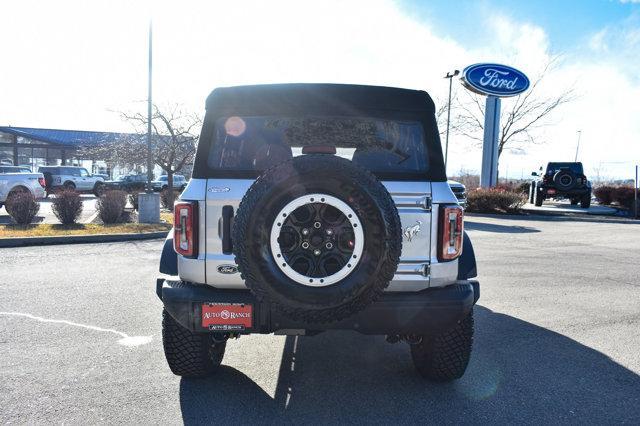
(189, 354)
(538, 197)
(98, 189)
(585, 201)
(70, 185)
(445, 357)
(532, 188)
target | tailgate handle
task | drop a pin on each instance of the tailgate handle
(227, 219)
(425, 203)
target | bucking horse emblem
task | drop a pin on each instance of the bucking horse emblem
(412, 231)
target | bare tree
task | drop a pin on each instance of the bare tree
(521, 117)
(441, 114)
(175, 135)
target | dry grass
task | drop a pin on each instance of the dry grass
(167, 217)
(17, 231)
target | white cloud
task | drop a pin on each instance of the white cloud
(597, 41)
(67, 64)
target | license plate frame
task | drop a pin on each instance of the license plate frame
(223, 316)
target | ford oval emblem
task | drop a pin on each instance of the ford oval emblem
(494, 79)
(228, 269)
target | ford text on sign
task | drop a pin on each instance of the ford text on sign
(495, 80)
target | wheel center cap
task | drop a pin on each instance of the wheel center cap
(317, 240)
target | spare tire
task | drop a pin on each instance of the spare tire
(565, 180)
(318, 237)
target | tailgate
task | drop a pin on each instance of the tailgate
(413, 200)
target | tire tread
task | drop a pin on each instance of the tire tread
(445, 357)
(189, 354)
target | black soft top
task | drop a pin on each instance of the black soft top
(279, 98)
(575, 167)
(301, 99)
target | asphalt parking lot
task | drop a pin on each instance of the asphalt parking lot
(557, 341)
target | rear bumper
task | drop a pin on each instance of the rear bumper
(570, 193)
(425, 312)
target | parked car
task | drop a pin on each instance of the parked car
(13, 183)
(162, 183)
(70, 177)
(561, 180)
(129, 183)
(14, 169)
(313, 207)
(459, 191)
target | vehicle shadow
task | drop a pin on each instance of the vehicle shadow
(519, 373)
(503, 229)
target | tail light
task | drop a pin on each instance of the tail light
(185, 225)
(42, 182)
(450, 232)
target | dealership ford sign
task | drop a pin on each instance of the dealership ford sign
(494, 79)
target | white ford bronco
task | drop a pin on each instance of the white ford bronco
(317, 207)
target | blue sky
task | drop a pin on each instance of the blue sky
(568, 24)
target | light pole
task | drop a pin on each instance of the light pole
(450, 76)
(148, 201)
(578, 146)
(149, 115)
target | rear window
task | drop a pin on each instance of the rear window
(574, 167)
(253, 144)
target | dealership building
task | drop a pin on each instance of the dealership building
(33, 147)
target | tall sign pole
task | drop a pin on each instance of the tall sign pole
(149, 114)
(489, 171)
(495, 81)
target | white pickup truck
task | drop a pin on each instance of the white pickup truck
(14, 183)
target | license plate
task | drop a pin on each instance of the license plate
(551, 191)
(227, 316)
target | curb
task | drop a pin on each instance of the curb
(79, 239)
(558, 217)
(613, 215)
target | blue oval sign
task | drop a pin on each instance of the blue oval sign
(494, 79)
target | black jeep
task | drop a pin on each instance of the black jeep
(561, 180)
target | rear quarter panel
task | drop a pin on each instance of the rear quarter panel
(10, 181)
